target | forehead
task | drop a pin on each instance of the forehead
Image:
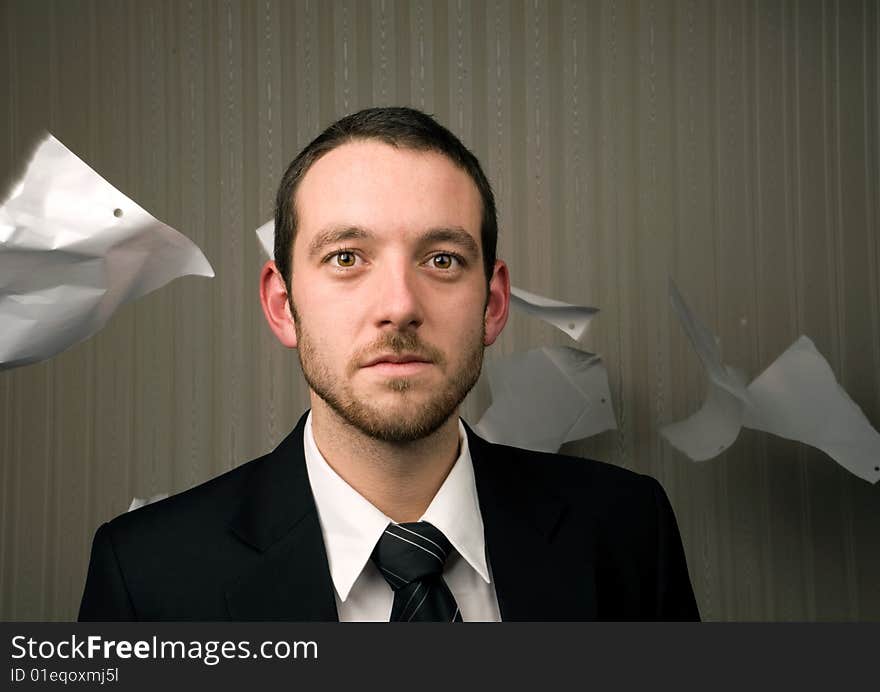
(368, 183)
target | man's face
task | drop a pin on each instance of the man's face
(388, 289)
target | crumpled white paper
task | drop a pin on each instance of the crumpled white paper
(796, 397)
(574, 320)
(716, 425)
(72, 250)
(266, 236)
(546, 397)
(138, 502)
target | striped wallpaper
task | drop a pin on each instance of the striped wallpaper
(730, 145)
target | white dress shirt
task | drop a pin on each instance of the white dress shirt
(351, 527)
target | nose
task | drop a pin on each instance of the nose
(398, 304)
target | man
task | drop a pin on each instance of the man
(382, 504)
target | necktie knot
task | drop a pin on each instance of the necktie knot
(410, 552)
(411, 558)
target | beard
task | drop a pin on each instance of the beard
(413, 417)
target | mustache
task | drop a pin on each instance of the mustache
(398, 343)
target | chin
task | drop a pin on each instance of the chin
(399, 431)
(398, 418)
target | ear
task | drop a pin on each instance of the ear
(498, 304)
(276, 306)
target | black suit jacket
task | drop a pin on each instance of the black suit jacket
(567, 539)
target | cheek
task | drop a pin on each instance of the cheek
(474, 306)
(465, 323)
(315, 306)
(328, 326)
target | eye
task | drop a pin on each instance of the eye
(344, 258)
(444, 260)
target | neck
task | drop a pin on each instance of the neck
(398, 478)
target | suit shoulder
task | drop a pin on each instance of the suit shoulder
(599, 485)
(571, 469)
(217, 497)
(172, 559)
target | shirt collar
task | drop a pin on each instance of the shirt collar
(351, 525)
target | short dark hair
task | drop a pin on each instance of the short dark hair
(400, 127)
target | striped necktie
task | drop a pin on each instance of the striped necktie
(411, 558)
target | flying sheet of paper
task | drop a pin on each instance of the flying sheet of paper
(799, 398)
(546, 397)
(571, 319)
(266, 236)
(705, 344)
(72, 250)
(712, 429)
(796, 397)
(716, 425)
(138, 502)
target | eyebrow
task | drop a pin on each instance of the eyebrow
(336, 235)
(455, 235)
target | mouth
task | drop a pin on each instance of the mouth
(397, 364)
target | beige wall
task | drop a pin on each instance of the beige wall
(731, 145)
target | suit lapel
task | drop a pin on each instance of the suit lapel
(291, 577)
(542, 562)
